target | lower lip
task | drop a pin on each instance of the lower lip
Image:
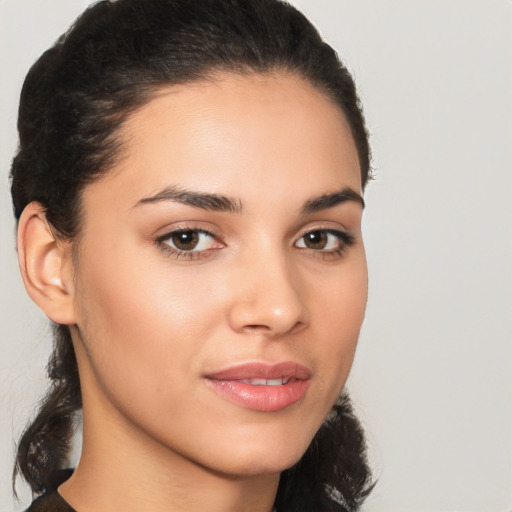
(260, 398)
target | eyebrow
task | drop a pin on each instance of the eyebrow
(221, 203)
(206, 201)
(330, 200)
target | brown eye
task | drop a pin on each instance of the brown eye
(316, 240)
(325, 240)
(184, 240)
(189, 244)
(189, 240)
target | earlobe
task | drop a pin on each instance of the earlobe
(46, 265)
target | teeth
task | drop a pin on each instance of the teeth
(265, 382)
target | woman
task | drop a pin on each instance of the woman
(189, 193)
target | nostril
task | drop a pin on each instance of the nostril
(267, 329)
(257, 327)
(299, 325)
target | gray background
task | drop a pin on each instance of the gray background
(433, 374)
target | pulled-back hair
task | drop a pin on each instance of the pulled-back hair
(74, 101)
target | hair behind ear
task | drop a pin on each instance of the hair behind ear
(43, 449)
(333, 475)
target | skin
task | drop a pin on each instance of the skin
(148, 325)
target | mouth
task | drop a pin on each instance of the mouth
(266, 382)
(260, 386)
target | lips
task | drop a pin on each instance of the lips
(260, 386)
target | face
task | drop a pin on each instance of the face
(221, 277)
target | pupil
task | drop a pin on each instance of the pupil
(185, 240)
(316, 240)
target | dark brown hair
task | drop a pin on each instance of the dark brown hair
(75, 99)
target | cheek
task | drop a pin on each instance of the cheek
(141, 322)
(339, 313)
(140, 289)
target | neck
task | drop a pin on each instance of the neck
(120, 469)
(101, 490)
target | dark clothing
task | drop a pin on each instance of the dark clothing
(50, 503)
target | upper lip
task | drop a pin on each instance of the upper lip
(261, 370)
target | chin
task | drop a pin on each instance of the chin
(264, 461)
(268, 447)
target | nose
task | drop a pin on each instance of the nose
(268, 299)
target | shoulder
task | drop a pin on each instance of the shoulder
(50, 503)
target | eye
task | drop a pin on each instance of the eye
(325, 240)
(188, 243)
(190, 240)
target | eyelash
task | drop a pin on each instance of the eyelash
(161, 241)
(345, 240)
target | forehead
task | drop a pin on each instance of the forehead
(231, 133)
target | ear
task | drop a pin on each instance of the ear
(46, 265)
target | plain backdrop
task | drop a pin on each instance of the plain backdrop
(433, 374)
